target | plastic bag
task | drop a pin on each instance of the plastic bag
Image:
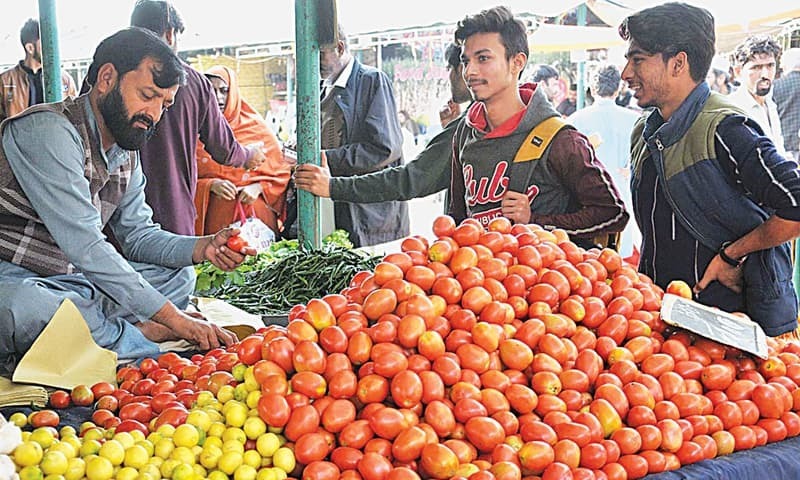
(251, 229)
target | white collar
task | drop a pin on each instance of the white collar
(344, 76)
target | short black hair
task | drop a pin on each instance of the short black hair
(29, 32)
(513, 33)
(453, 55)
(543, 72)
(754, 45)
(158, 16)
(672, 28)
(127, 48)
(606, 80)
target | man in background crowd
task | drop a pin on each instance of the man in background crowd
(360, 134)
(755, 64)
(568, 106)
(609, 128)
(547, 77)
(428, 173)
(22, 85)
(786, 94)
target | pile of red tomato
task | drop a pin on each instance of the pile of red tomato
(499, 353)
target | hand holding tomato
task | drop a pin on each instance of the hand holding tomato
(216, 249)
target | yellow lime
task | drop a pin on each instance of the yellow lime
(186, 435)
(31, 472)
(217, 475)
(148, 446)
(204, 398)
(268, 444)
(229, 462)
(240, 392)
(166, 430)
(182, 471)
(254, 427)
(113, 451)
(253, 398)
(245, 472)
(126, 473)
(43, 436)
(125, 438)
(74, 442)
(250, 379)
(225, 393)
(252, 458)
(217, 429)
(183, 455)
(53, 463)
(157, 461)
(67, 430)
(163, 448)
(154, 437)
(137, 435)
(89, 447)
(232, 446)
(28, 454)
(54, 477)
(199, 419)
(199, 471)
(99, 468)
(19, 419)
(65, 447)
(271, 474)
(284, 459)
(150, 470)
(238, 371)
(210, 456)
(234, 433)
(168, 467)
(93, 433)
(136, 456)
(214, 442)
(76, 468)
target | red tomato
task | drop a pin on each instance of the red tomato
(59, 399)
(236, 243)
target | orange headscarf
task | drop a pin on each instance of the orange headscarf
(248, 128)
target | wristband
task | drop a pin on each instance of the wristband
(727, 259)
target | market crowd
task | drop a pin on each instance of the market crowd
(690, 174)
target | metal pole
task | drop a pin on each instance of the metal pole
(51, 58)
(582, 64)
(309, 229)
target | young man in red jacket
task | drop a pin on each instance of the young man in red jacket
(555, 180)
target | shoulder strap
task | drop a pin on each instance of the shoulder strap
(532, 148)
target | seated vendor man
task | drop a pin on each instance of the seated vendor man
(67, 170)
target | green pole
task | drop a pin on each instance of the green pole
(581, 64)
(51, 58)
(309, 229)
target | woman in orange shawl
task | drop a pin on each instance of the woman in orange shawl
(219, 186)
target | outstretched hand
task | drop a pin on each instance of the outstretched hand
(214, 248)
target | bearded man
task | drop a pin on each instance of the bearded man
(57, 196)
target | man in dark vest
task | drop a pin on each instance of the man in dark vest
(716, 203)
(56, 196)
(513, 154)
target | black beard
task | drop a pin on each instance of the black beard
(763, 91)
(115, 116)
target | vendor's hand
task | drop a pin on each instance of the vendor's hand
(224, 189)
(314, 178)
(214, 249)
(250, 193)
(449, 112)
(188, 327)
(516, 207)
(719, 271)
(256, 157)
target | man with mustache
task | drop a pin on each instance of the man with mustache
(755, 63)
(714, 200)
(22, 86)
(557, 182)
(57, 196)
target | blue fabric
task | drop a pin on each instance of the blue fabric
(776, 461)
(759, 184)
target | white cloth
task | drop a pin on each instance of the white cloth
(766, 115)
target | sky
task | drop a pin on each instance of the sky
(83, 24)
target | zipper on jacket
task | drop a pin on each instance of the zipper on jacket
(660, 163)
